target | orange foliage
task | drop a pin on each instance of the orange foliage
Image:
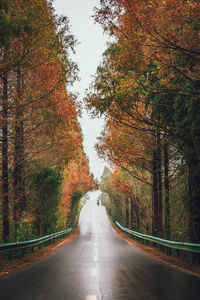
(76, 179)
(159, 31)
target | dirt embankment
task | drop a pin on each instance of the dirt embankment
(7, 267)
(172, 261)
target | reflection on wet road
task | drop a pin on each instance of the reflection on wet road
(98, 264)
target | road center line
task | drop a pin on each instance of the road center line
(94, 272)
(95, 258)
(91, 297)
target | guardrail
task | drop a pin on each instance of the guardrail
(167, 244)
(10, 247)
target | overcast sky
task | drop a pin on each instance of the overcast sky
(88, 56)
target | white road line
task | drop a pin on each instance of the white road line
(95, 258)
(91, 297)
(94, 272)
(58, 245)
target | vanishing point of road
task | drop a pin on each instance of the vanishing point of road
(99, 265)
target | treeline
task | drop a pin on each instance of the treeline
(43, 166)
(147, 87)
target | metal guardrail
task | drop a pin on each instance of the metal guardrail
(190, 247)
(9, 247)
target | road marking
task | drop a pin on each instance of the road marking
(58, 245)
(94, 272)
(91, 297)
(95, 258)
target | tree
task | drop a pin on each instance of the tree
(39, 115)
(164, 36)
(135, 134)
(47, 184)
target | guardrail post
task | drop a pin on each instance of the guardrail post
(165, 245)
(194, 258)
(22, 252)
(9, 254)
(20, 247)
(177, 253)
(168, 251)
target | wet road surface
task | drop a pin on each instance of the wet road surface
(98, 265)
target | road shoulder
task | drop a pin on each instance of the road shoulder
(171, 261)
(15, 264)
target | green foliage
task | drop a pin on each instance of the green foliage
(4, 24)
(46, 187)
(75, 209)
(187, 122)
(179, 216)
(24, 231)
(17, 24)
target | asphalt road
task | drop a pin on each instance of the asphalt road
(98, 264)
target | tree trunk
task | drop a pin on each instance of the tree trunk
(132, 212)
(167, 205)
(155, 194)
(5, 203)
(18, 180)
(159, 171)
(157, 207)
(137, 210)
(127, 212)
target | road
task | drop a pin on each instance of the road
(97, 265)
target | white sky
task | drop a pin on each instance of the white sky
(88, 56)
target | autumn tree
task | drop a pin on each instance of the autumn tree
(41, 135)
(77, 182)
(120, 98)
(166, 34)
(154, 63)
